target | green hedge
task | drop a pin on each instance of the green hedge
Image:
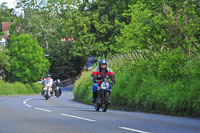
(19, 88)
(168, 84)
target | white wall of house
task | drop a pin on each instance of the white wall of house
(3, 41)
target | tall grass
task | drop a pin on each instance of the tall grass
(166, 84)
(19, 88)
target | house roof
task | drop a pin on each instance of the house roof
(5, 25)
(5, 36)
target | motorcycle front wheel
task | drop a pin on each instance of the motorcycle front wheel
(105, 101)
(46, 97)
(57, 93)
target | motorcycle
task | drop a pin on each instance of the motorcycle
(103, 95)
(57, 91)
(47, 90)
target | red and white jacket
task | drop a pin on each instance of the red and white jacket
(48, 80)
(98, 74)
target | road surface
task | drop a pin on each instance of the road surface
(33, 114)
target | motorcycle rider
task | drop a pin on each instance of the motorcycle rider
(48, 78)
(98, 74)
(57, 83)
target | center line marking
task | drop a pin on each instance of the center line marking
(134, 130)
(24, 102)
(43, 109)
(28, 105)
(77, 117)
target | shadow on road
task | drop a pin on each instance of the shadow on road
(87, 110)
(72, 107)
(39, 99)
(68, 88)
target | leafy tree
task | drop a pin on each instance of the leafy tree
(145, 29)
(4, 61)
(5, 14)
(166, 27)
(28, 63)
(102, 28)
(45, 23)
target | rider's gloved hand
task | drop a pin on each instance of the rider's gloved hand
(113, 82)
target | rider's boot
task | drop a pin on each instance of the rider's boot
(60, 92)
(51, 91)
(42, 92)
(94, 97)
(109, 102)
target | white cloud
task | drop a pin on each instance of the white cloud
(11, 3)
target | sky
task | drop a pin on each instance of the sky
(11, 3)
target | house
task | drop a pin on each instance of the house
(5, 26)
(3, 42)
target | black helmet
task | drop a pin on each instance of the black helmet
(102, 62)
(48, 75)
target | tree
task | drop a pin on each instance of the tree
(5, 14)
(4, 61)
(144, 30)
(28, 63)
(45, 23)
(172, 24)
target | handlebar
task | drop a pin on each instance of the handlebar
(104, 81)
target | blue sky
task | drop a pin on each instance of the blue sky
(11, 3)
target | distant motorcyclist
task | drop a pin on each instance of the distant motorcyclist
(50, 80)
(57, 83)
(98, 75)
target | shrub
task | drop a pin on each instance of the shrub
(19, 88)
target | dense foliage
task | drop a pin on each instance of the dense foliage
(103, 28)
(70, 31)
(28, 62)
(166, 27)
(4, 61)
(5, 15)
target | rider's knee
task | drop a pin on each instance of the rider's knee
(95, 87)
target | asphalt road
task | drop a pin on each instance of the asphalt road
(33, 114)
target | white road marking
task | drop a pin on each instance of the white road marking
(28, 105)
(134, 130)
(77, 117)
(72, 116)
(24, 102)
(43, 109)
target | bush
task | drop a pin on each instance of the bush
(171, 64)
(83, 85)
(19, 88)
(36, 87)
